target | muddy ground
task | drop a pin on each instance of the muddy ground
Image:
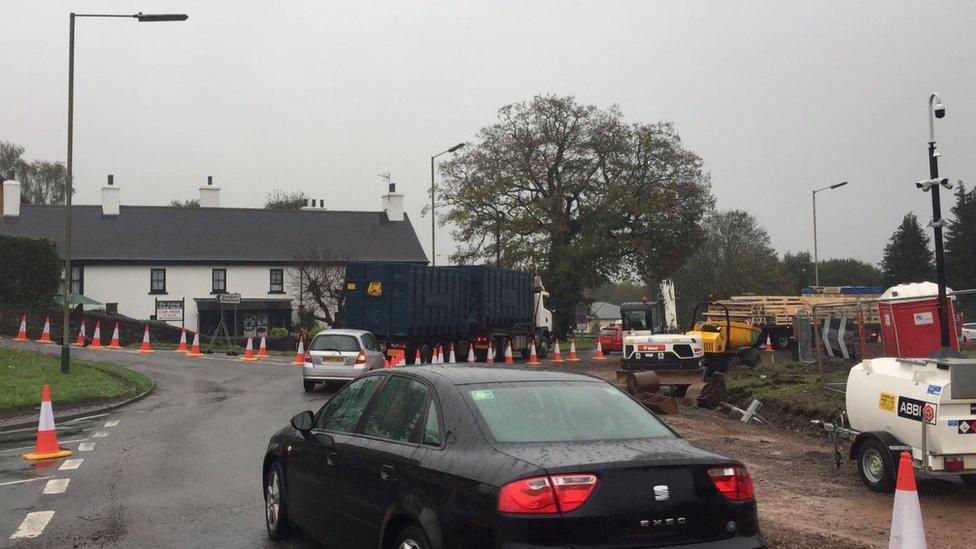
(804, 500)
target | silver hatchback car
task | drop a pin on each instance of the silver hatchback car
(340, 355)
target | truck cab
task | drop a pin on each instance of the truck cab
(647, 343)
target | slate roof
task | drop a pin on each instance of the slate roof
(163, 234)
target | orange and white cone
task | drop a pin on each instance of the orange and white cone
(80, 342)
(263, 348)
(490, 358)
(557, 355)
(418, 359)
(145, 347)
(598, 355)
(300, 354)
(22, 332)
(115, 343)
(533, 357)
(508, 353)
(907, 531)
(573, 357)
(769, 344)
(249, 351)
(46, 444)
(195, 347)
(440, 354)
(181, 348)
(96, 342)
(46, 334)
(451, 358)
(471, 352)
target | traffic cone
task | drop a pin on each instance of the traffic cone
(418, 359)
(300, 354)
(249, 351)
(115, 344)
(907, 531)
(22, 332)
(145, 347)
(195, 347)
(263, 348)
(96, 342)
(557, 355)
(46, 444)
(533, 358)
(181, 348)
(598, 355)
(46, 334)
(573, 357)
(508, 353)
(471, 352)
(490, 358)
(440, 354)
(769, 344)
(80, 342)
(452, 359)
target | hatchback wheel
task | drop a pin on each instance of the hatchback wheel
(276, 517)
(411, 537)
(308, 385)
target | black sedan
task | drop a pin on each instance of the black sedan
(467, 457)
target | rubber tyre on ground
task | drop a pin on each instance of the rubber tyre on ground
(275, 510)
(969, 480)
(308, 385)
(875, 467)
(410, 537)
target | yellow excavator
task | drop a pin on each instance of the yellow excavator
(725, 341)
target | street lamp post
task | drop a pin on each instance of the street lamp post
(433, 249)
(66, 288)
(816, 259)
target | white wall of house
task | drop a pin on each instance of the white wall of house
(129, 286)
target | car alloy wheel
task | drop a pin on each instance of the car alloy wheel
(409, 544)
(272, 499)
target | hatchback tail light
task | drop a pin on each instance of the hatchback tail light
(546, 495)
(308, 356)
(734, 482)
(361, 357)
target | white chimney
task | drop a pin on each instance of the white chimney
(393, 204)
(110, 198)
(210, 194)
(11, 198)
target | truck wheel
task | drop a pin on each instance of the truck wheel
(969, 480)
(542, 347)
(781, 342)
(875, 467)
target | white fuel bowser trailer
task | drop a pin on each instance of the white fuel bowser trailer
(923, 406)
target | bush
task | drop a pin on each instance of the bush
(278, 332)
(30, 271)
(314, 330)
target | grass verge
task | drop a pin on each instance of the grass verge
(791, 388)
(23, 373)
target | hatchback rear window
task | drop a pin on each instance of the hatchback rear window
(608, 332)
(336, 342)
(565, 411)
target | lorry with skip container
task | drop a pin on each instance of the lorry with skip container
(413, 308)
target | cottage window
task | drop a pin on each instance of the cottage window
(77, 279)
(157, 281)
(277, 281)
(219, 281)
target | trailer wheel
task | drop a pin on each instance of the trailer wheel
(969, 480)
(875, 467)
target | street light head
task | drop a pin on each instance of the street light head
(939, 109)
(160, 17)
(841, 184)
(455, 147)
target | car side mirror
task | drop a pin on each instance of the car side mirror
(303, 421)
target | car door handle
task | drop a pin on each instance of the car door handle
(330, 458)
(388, 473)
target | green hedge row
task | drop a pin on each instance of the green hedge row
(30, 271)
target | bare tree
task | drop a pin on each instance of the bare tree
(318, 280)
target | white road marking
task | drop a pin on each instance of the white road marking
(56, 486)
(33, 525)
(112, 423)
(70, 464)
(96, 416)
(100, 434)
(24, 480)
(86, 446)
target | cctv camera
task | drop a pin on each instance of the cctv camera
(940, 111)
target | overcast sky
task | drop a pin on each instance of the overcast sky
(321, 96)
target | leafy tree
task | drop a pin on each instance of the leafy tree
(42, 182)
(960, 241)
(849, 272)
(798, 271)
(283, 200)
(191, 203)
(735, 258)
(907, 257)
(576, 194)
(12, 163)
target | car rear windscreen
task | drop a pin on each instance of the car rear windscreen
(608, 332)
(343, 343)
(562, 411)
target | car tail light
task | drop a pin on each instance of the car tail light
(546, 495)
(734, 482)
(361, 357)
(954, 463)
(308, 356)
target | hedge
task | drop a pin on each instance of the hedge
(30, 271)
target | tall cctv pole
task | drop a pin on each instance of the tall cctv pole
(433, 249)
(816, 259)
(66, 288)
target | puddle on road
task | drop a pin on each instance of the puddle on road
(13, 467)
